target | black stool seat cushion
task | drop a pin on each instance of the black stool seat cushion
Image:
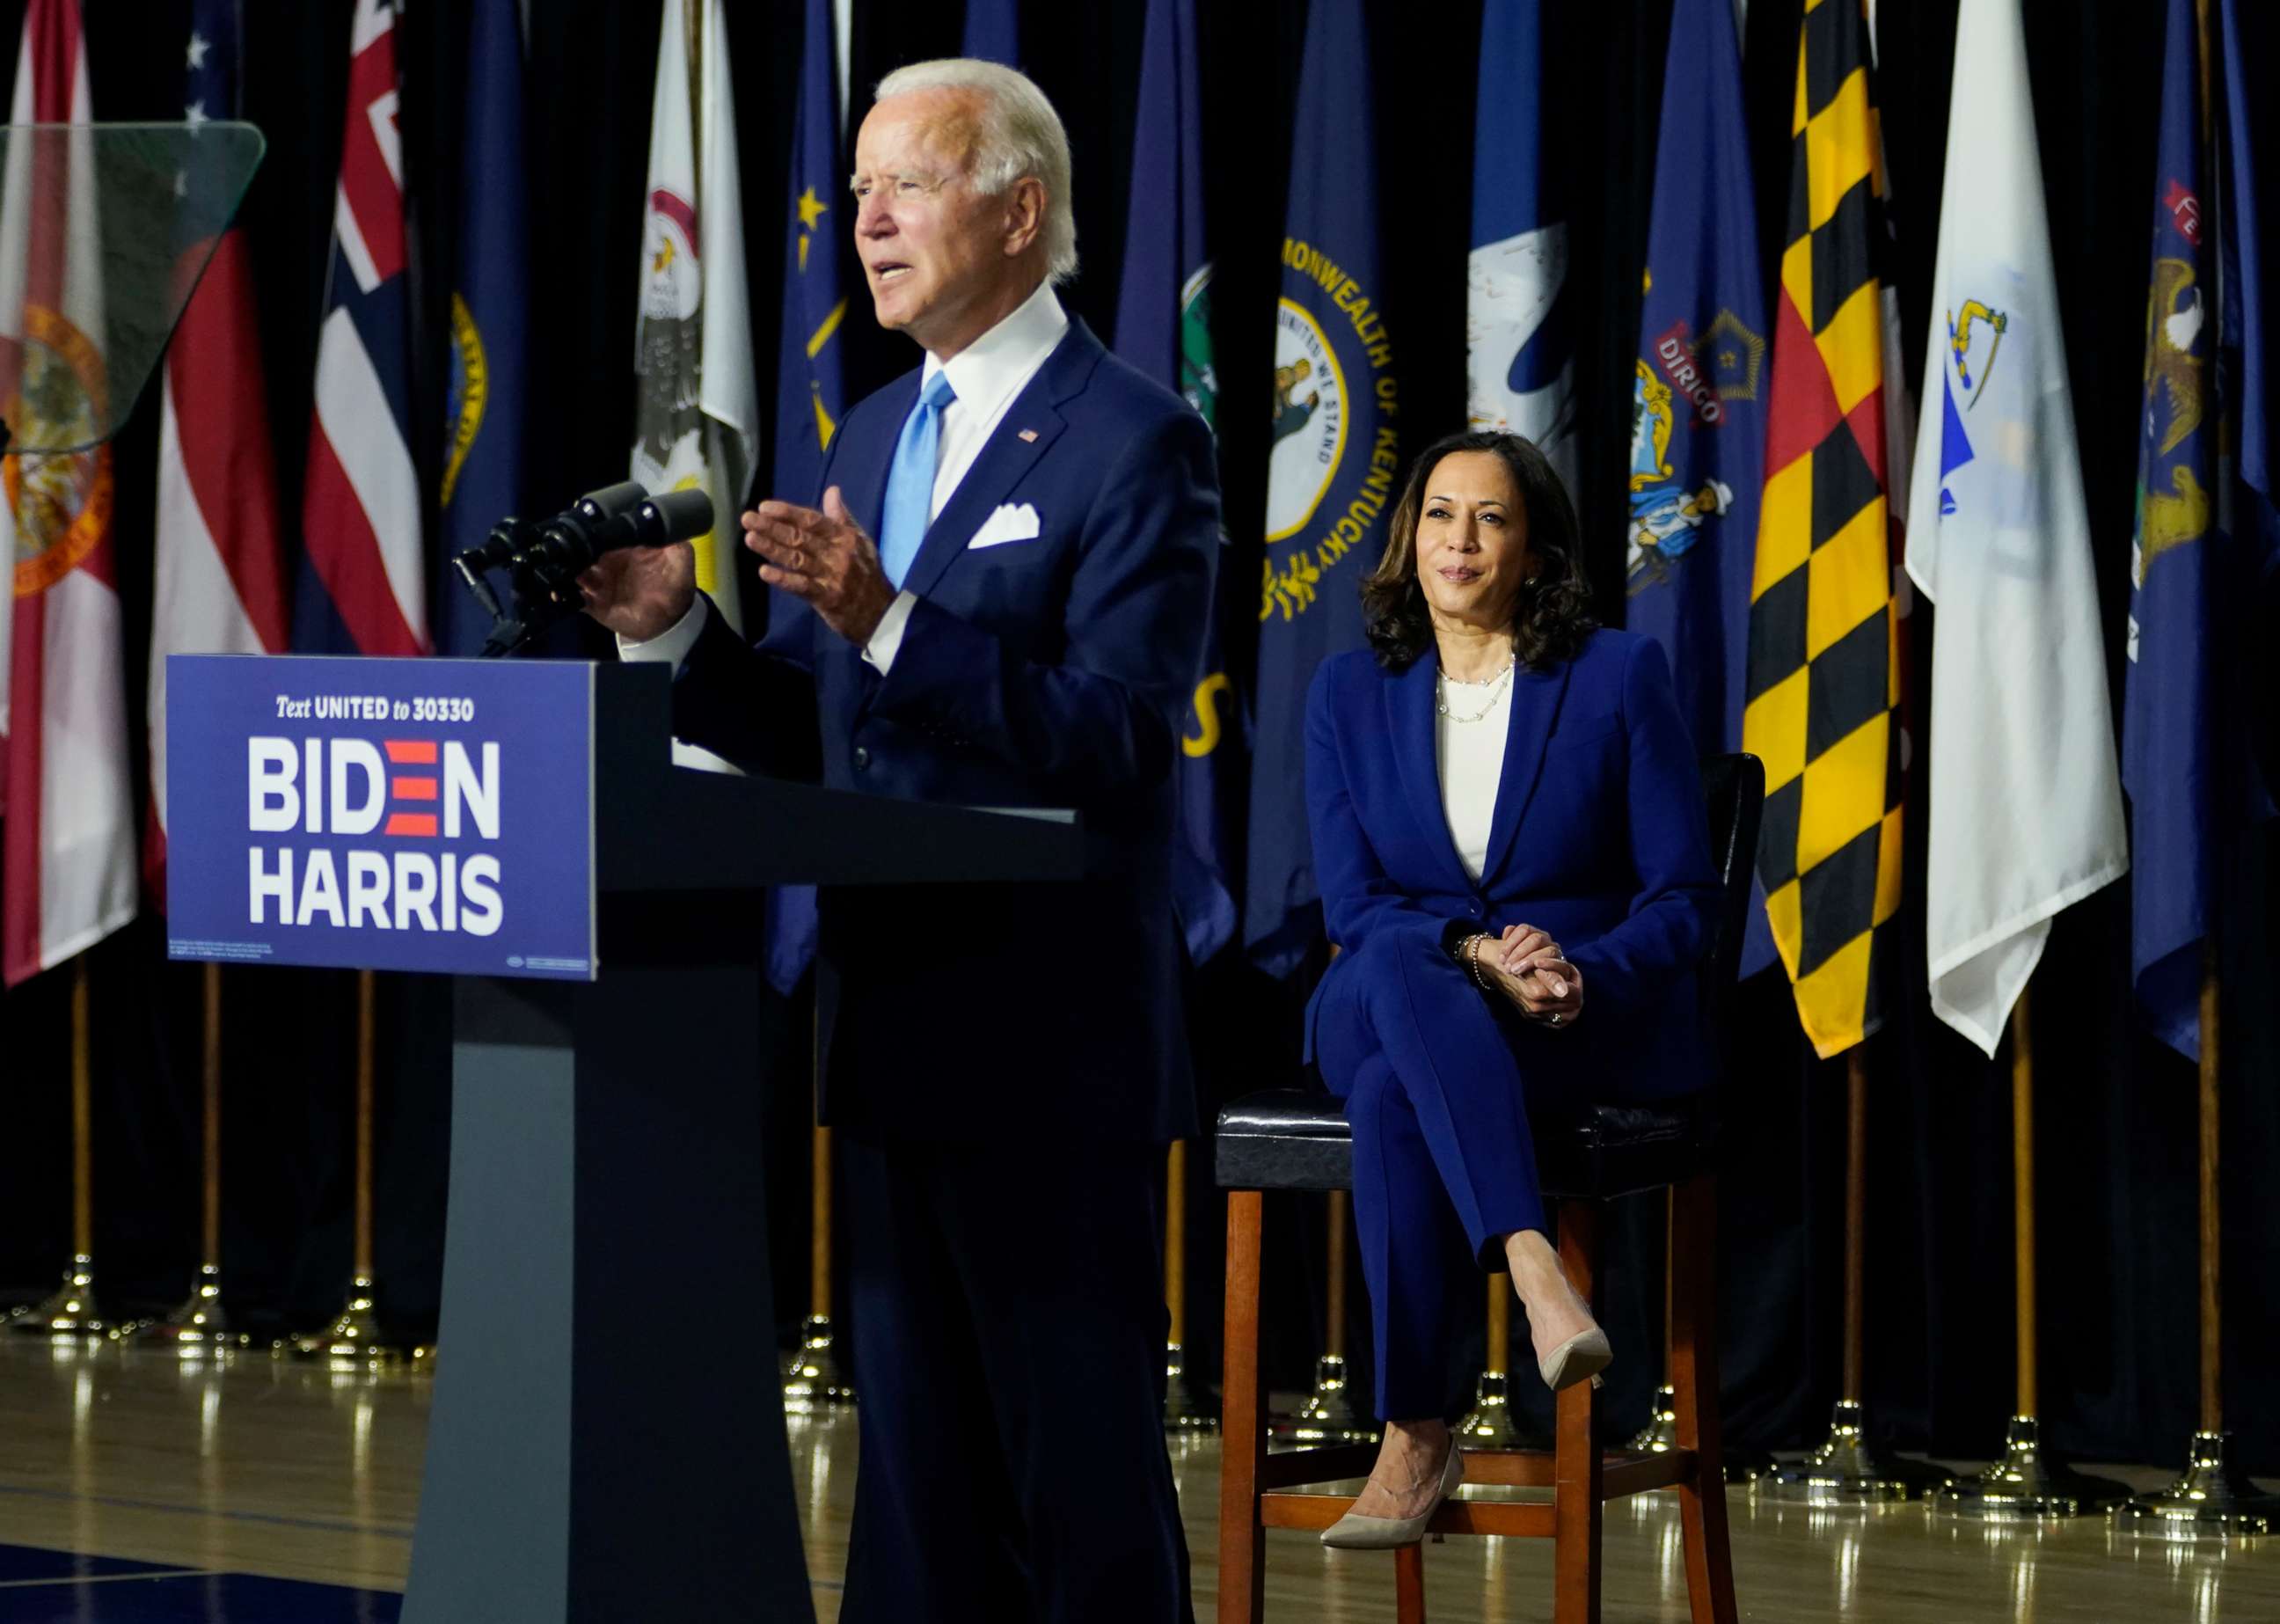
(1298, 1139)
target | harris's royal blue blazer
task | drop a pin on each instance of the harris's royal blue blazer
(1052, 670)
(1599, 837)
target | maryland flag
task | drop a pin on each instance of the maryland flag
(1823, 680)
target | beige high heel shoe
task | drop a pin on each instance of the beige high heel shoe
(1584, 1354)
(1352, 1532)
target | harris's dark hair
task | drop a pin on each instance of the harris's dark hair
(1552, 617)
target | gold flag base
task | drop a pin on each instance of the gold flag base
(71, 1310)
(353, 1336)
(1328, 1416)
(1660, 1435)
(2027, 1485)
(1848, 1470)
(1489, 1424)
(197, 1327)
(812, 1381)
(1189, 1406)
(2213, 1500)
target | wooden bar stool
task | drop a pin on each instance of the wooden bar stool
(1294, 1139)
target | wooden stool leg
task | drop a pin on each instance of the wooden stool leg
(1243, 1412)
(1575, 1498)
(1694, 1373)
(1409, 1584)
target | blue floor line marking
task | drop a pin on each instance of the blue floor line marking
(273, 1518)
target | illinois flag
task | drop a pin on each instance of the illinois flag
(2025, 798)
(69, 874)
(1822, 671)
(363, 586)
(221, 577)
(697, 417)
(1519, 353)
(1333, 460)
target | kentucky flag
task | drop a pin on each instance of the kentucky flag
(1163, 328)
(1332, 461)
(482, 454)
(1519, 357)
(1822, 674)
(809, 395)
(363, 578)
(2206, 526)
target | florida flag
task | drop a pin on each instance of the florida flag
(69, 876)
(363, 589)
(220, 584)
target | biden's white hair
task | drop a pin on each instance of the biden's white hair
(1020, 135)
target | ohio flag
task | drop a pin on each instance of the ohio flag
(69, 875)
(363, 585)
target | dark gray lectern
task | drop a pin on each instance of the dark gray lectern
(585, 1462)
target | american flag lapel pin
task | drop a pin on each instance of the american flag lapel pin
(1030, 435)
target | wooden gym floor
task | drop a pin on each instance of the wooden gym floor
(267, 1490)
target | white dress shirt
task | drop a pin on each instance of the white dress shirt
(986, 377)
(1470, 755)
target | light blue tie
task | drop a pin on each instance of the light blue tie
(909, 479)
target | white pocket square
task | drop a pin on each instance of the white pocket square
(1012, 523)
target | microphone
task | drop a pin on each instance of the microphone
(654, 521)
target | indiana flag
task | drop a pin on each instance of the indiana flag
(1333, 460)
(1163, 328)
(2206, 530)
(1822, 671)
(221, 575)
(697, 417)
(363, 586)
(69, 863)
(810, 397)
(2025, 813)
(490, 320)
(1518, 352)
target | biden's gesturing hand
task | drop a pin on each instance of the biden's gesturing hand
(641, 592)
(825, 560)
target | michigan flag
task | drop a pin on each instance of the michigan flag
(1163, 328)
(1518, 354)
(809, 395)
(2025, 813)
(1823, 683)
(1332, 461)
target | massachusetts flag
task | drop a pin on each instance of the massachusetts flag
(1517, 344)
(696, 419)
(69, 874)
(2025, 800)
(220, 579)
(363, 586)
(1163, 328)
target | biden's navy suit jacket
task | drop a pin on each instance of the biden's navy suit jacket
(1599, 837)
(1050, 672)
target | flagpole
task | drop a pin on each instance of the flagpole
(1187, 1408)
(2026, 1484)
(200, 1324)
(1327, 1415)
(353, 1336)
(2213, 1499)
(812, 1377)
(1848, 1469)
(71, 1309)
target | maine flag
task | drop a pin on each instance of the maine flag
(1163, 328)
(2205, 526)
(809, 396)
(1332, 462)
(483, 417)
(2025, 815)
(1519, 362)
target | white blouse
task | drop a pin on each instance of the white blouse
(1470, 755)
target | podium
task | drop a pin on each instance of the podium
(606, 1439)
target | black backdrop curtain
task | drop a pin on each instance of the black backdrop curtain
(2116, 1129)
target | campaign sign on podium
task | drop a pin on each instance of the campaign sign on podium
(433, 814)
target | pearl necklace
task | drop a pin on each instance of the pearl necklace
(1495, 686)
